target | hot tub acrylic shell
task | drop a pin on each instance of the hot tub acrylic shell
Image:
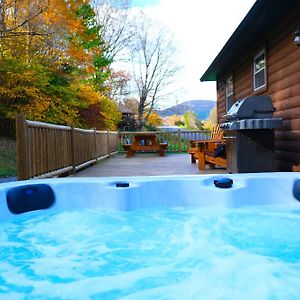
(163, 191)
(174, 237)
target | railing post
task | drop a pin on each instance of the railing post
(119, 143)
(108, 143)
(22, 148)
(73, 149)
(179, 141)
(95, 139)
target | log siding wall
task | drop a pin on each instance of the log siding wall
(283, 86)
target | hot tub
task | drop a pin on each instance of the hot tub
(151, 237)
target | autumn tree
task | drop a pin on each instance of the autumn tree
(179, 123)
(154, 120)
(191, 121)
(212, 119)
(52, 62)
(23, 89)
(152, 57)
(16, 17)
(173, 119)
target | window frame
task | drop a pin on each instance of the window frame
(229, 94)
(264, 69)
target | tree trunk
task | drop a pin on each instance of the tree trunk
(2, 17)
(140, 115)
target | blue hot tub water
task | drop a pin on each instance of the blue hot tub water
(205, 252)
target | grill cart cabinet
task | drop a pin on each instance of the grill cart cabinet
(250, 151)
(249, 135)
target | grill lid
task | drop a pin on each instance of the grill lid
(252, 107)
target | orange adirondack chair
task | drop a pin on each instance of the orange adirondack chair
(209, 151)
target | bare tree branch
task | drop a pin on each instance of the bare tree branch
(116, 29)
(152, 56)
(8, 32)
(20, 33)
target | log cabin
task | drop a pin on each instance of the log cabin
(127, 122)
(262, 57)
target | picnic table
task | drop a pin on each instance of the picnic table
(145, 141)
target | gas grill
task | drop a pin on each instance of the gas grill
(255, 112)
(249, 133)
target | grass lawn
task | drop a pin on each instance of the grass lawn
(7, 157)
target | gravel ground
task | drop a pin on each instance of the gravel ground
(8, 179)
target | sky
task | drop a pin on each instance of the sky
(201, 28)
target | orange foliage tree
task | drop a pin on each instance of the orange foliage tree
(154, 120)
(52, 62)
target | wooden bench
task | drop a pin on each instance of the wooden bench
(145, 142)
(206, 151)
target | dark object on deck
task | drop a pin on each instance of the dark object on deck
(223, 183)
(221, 150)
(296, 189)
(249, 135)
(27, 198)
(122, 184)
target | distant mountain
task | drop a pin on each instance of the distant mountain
(200, 107)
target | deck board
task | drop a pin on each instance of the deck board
(149, 164)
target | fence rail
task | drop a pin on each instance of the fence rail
(47, 150)
(178, 141)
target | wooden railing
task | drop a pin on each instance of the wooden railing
(47, 150)
(178, 141)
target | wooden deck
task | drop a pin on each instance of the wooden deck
(149, 164)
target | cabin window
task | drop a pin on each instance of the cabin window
(259, 70)
(229, 93)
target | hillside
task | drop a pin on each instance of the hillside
(200, 107)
